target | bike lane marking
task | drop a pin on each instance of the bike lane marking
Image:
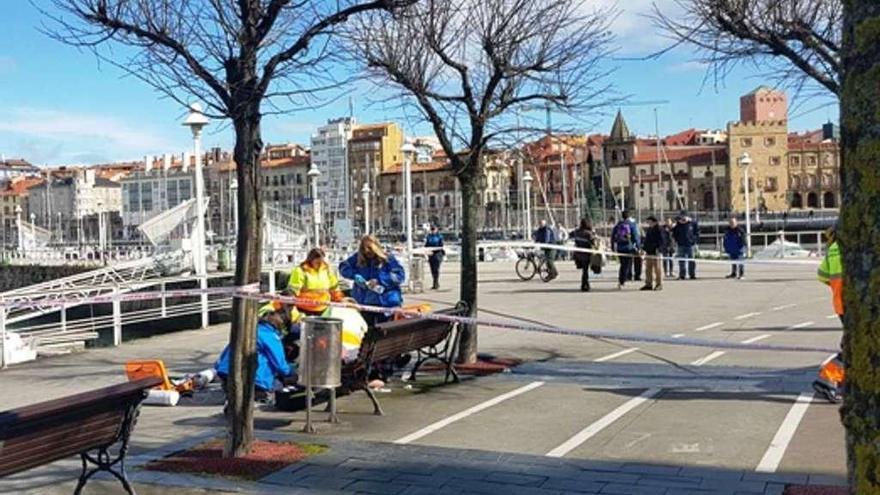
(773, 456)
(467, 412)
(616, 355)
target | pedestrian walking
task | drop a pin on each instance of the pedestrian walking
(561, 239)
(652, 246)
(668, 248)
(434, 241)
(584, 238)
(686, 234)
(622, 239)
(735, 247)
(637, 245)
(545, 235)
(832, 374)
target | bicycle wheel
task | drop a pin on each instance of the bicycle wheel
(525, 269)
(544, 271)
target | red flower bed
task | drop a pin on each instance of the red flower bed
(265, 458)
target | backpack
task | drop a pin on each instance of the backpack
(622, 233)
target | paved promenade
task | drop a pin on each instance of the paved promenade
(579, 416)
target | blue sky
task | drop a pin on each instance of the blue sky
(61, 106)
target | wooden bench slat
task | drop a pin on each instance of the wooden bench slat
(48, 436)
(37, 455)
(65, 404)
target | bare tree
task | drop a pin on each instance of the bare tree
(804, 34)
(836, 45)
(244, 58)
(465, 65)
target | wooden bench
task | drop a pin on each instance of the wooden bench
(430, 339)
(42, 433)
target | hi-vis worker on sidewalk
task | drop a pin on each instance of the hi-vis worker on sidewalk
(314, 284)
(829, 384)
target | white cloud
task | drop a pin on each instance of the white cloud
(688, 66)
(54, 134)
(633, 30)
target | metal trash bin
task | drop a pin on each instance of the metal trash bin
(320, 361)
(416, 274)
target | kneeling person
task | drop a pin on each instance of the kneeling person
(271, 361)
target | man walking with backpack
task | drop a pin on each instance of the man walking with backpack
(623, 240)
(685, 234)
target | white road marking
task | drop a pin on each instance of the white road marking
(710, 325)
(773, 456)
(747, 315)
(828, 359)
(709, 357)
(467, 412)
(832, 317)
(590, 431)
(801, 325)
(755, 339)
(784, 306)
(677, 335)
(615, 355)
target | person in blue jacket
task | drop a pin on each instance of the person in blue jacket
(435, 241)
(377, 277)
(735, 247)
(271, 360)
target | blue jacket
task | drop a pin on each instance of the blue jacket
(686, 234)
(435, 241)
(544, 235)
(636, 232)
(271, 362)
(389, 275)
(734, 241)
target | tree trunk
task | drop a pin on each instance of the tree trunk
(860, 240)
(249, 242)
(467, 346)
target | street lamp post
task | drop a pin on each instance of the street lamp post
(18, 228)
(34, 230)
(405, 150)
(313, 175)
(527, 182)
(745, 161)
(233, 188)
(196, 121)
(365, 192)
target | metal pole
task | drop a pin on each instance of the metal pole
(748, 214)
(407, 204)
(564, 184)
(308, 365)
(117, 318)
(366, 194)
(521, 194)
(4, 352)
(201, 265)
(271, 256)
(316, 214)
(164, 305)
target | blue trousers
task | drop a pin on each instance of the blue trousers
(686, 258)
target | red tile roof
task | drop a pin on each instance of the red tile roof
(689, 154)
(687, 137)
(434, 166)
(20, 186)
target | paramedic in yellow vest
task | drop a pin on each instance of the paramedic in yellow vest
(831, 375)
(314, 284)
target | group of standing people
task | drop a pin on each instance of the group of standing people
(654, 248)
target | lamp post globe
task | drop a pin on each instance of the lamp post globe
(365, 193)
(745, 162)
(313, 174)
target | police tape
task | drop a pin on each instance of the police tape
(251, 292)
(609, 253)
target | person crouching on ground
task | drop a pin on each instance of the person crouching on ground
(831, 375)
(652, 246)
(314, 284)
(434, 241)
(377, 277)
(271, 361)
(584, 239)
(735, 247)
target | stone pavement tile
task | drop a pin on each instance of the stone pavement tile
(650, 469)
(824, 479)
(609, 477)
(573, 486)
(327, 482)
(494, 488)
(628, 489)
(560, 472)
(422, 490)
(376, 487)
(670, 481)
(423, 480)
(735, 485)
(516, 479)
(711, 473)
(774, 489)
(776, 477)
(697, 491)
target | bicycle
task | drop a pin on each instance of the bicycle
(532, 263)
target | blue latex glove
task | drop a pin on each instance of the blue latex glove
(359, 280)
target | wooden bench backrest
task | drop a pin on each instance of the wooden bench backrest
(41, 433)
(394, 338)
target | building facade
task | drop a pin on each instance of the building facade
(329, 153)
(14, 205)
(813, 161)
(69, 206)
(16, 167)
(372, 149)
